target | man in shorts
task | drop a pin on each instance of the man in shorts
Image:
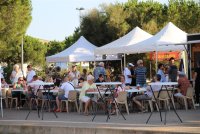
(148, 94)
(66, 87)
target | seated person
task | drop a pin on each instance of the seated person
(3, 83)
(183, 85)
(148, 94)
(123, 85)
(89, 85)
(50, 95)
(100, 80)
(66, 87)
(19, 85)
(34, 90)
(80, 83)
(119, 88)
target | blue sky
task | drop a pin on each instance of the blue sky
(57, 19)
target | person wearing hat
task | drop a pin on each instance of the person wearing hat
(127, 74)
(183, 84)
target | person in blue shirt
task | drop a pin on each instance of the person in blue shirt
(140, 73)
(99, 70)
(161, 72)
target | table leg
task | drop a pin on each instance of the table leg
(47, 92)
(173, 104)
(106, 109)
(156, 106)
(165, 117)
(112, 94)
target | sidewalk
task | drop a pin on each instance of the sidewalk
(14, 121)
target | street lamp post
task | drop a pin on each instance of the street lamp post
(22, 56)
(80, 9)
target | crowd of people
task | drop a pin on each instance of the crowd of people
(133, 75)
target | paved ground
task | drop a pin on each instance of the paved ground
(191, 120)
(190, 116)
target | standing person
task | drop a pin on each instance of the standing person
(127, 74)
(75, 75)
(173, 70)
(140, 73)
(16, 73)
(84, 74)
(197, 83)
(161, 72)
(133, 82)
(99, 70)
(108, 73)
(1, 73)
(30, 74)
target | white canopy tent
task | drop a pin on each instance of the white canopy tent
(165, 40)
(81, 50)
(117, 46)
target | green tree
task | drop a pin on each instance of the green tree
(185, 14)
(94, 28)
(34, 51)
(15, 17)
(54, 47)
(73, 38)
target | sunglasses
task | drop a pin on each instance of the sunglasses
(21, 80)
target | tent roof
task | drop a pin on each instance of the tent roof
(81, 50)
(134, 36)
(165, 40)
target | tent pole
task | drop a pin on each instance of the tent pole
(156, 60)
(124, 60)
(0, 78)
(150, 72)
(121, 66)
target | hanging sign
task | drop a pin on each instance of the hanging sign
(163, 56)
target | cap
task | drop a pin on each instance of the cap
(130, 64)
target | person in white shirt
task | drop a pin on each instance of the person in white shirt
(127, 74)
(66, 86)
(148, 94)
(16, 73)
(35, 86)
(75, 74)
(30, 74)
(1, 75)
(35, 89)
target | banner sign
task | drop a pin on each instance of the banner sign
(163, 56)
